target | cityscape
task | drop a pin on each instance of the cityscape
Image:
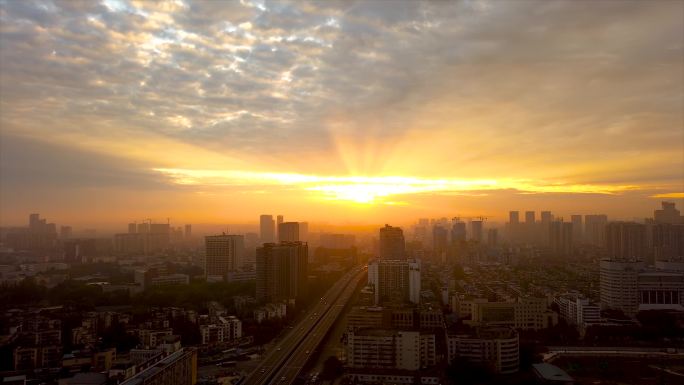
(362, 192)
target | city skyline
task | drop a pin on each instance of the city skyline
(347, 112)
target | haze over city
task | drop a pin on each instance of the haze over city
(341, 192)
(348, 112)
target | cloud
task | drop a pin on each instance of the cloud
(551, 92)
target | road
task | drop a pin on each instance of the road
(311, 327)
(291, 369)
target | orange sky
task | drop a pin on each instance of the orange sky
(216, 112)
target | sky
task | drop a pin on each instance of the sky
(350, 112)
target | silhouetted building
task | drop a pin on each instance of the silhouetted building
(668, 242)
(392, 245)
(595, 229)
(668, 214)
(65, 232)
(560, 237)
(439, 240)
(476, 231)
(267, 228)
(626, 241)
(288, 232)
(577, 231)
(282, 271)
(458, 232)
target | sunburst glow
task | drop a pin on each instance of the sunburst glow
(375, 189)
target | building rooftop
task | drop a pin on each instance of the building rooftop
(550, 372)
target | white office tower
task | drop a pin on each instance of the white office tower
(620, 285)
(395, 280)
(224, 253)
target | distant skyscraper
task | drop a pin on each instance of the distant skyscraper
(595, 229)
(458, 232)
(65, 232)
(282, 271)
(626, 241)
(513, 217)
(668, 214)
(288, 232)
(529, 217)
(224, 253)
(304, 231)
(395, 280)
(279, 220)
(546, 217)
(668, 242)
(267, 228)
(476, 231)
(188, 232)
(439, 240)
(132, 228)
(560, 237)
(577, 236)
(392, 245)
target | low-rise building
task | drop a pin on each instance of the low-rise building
(496, 347)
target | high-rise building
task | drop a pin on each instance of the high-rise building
(529, 217)
(288, 232)
(619, 281)
(267, 228)
(513, 217)
(560, 237)
(395, 280)
(281, 271)
(513, 225)
(577, 233)
(188, 232)
(546, 217)
(626, 241)
(392, 245)
(304, 231)
(476, 231)
(65, 232)
(668, 214)
(279, 219)
(458, 232)
(224, 253)
(439, 240)
(668, 242)
(631, 287)
(595, 229)
(132, 228)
